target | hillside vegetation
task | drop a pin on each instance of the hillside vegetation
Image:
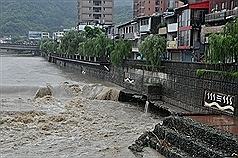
(20, 16)
(17, 17)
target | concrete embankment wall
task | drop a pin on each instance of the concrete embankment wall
(181, 86)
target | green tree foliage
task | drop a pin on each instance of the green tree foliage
(81, 48)
(96, 43)
(122, 51)
(69, 42)
(152, 48)
(89, 47)
(47, 45)
(98, 47)
(18, 17)
(224, 46)
(103, 46)
(43, 45)
(90, 32)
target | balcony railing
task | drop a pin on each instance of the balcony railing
(223, 15)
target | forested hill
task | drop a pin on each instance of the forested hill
(20, 16)
(123, 11)
(17, 17)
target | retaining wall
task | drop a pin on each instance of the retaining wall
(181, 86)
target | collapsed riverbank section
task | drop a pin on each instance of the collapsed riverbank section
(177, 92)
(181, 137)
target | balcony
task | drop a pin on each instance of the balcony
(220, 16)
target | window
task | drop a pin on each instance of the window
(148, 8)
(184, 37)
(145, 22)
(156, 9)
(157, 2)
(184, 18)
(231, 5)
(97, 3)
(223, 5)
(216, 7)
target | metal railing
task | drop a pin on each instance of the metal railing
(222, 15)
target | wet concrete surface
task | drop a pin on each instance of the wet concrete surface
(223, 122)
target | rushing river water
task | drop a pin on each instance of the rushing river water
(80, 116)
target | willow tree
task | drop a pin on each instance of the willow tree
(122, 50)
(89, 47)
(90, 32)
(103, 46)
(231, 29)
(46, 45)
(224, 46)
(69, 42)
(153, 48)
(221, 48)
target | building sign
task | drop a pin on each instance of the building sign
(171, 45)
(219, 101)
(34, 35)
(162, 31)
(213, 29)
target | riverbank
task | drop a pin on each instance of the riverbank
(137, 93)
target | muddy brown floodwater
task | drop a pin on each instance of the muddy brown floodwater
(80, 117)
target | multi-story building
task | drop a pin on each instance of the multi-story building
(57, 36)
(190, 18)
(45, 35)
(220, 12)
(150, 7)
(95, 12)
(138, 29)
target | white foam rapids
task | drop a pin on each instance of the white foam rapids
(69, 120)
